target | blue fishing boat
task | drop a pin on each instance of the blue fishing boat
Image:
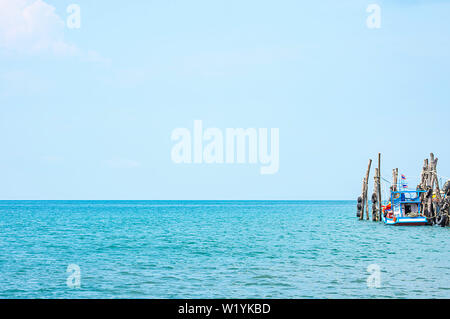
(428, 204)
(404, 209)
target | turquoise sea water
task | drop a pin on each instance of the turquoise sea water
(214, 249)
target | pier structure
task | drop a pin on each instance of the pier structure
(434, 200)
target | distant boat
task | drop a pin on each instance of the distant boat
(404, 209)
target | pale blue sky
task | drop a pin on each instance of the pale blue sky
(93, 119)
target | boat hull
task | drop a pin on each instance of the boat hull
(406, 221)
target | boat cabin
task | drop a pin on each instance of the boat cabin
(406, 203)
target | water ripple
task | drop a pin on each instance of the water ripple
(214, 249)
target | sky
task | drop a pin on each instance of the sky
(88, 112)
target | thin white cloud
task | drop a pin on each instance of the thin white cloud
(32, 26)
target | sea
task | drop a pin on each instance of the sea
(215, 249)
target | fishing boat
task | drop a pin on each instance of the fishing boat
(428, 204)
(404, 209)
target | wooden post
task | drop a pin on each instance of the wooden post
(363, 199)
(428, 185)
(422, 175)
(367, 188)
(396, 179)
(430, 170)
(423, 185)
(374, 205)
(379, 186)
(431, 167)
(393, 179)
(436, 180)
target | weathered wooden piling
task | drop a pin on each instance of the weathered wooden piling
(367, 188)
(435, 204)
(429, 182)
(361, 216)
(434, 186)
(423, 185)
(375, 196)
(379, 187)
(423, 174)
(394, 179)
(429, 187)
(436, 180)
